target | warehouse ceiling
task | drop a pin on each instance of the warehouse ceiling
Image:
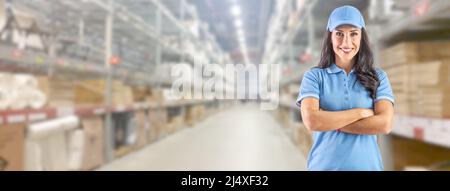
(255, 16)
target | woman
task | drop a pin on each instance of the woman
(345, 101)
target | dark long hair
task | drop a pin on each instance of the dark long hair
(363, 66)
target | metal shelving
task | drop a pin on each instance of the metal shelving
(134, 21)
(85, 34)
(431, 130)
(425, 19)
(35, 115)
(418, 20)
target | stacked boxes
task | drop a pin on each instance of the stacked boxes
(93, 143)
(12, 147)
(142, 128)
(194, 114)
(158, 123)
(122, 94)
(140, 93)
(414, 52)
(175, 119)
(432, 96)
(155, 96)
(59, 91)
(418, 72)
(91, 92)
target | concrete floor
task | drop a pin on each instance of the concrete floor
(242, 138)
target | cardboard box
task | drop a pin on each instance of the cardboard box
(175, 123)
(94, 143)
(432, 102)
(402, 78)
(434, 73)
(143, 127)
(414, 52)
(93, 91)
(433, 50)
(90, 92)
(421, 88)
(59, 91)
(158, 124)
(403, 103)
(195, 114)
(191, 115)
(402, 53)
(140, 93)
(12, 147)
(179, 121)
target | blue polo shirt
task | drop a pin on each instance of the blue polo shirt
(337, 91)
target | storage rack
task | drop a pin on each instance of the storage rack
(419, 20)
(144, 34)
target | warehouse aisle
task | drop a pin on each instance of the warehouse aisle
(242, 138)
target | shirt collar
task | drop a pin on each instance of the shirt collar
(333, 69)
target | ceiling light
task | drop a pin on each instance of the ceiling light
(235, 10)
(238, 23)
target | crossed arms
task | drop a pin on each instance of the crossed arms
(354, 121)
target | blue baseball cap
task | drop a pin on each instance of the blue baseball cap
(345, 15)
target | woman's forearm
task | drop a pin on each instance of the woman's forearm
(380, 123)
(377, 124)
(332, 120)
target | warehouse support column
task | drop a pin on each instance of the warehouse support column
(52, 54)
(109, 133)
(311, 31)
(182, 35)
(158, 51)
(81, 31)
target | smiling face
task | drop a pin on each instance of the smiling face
(346, 40)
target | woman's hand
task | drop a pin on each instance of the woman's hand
(379, 123)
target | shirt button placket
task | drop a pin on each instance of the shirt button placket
(346, 92)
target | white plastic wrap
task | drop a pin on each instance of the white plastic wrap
(25, 80)
(46, 128)
(20, 91)
(49, 146)
(37, 100)
(19, 98)
(75, 148)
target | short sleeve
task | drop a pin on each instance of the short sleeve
(309, 86)
(384, 90)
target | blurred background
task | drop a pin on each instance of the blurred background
(85, 84)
